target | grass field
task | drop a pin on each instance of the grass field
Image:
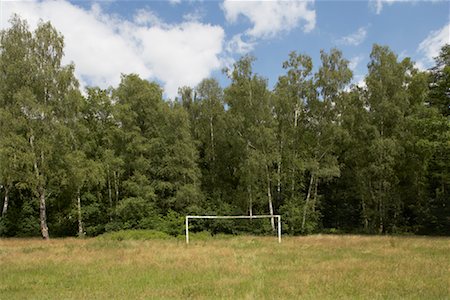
(319, 267)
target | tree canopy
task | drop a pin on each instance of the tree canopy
(327, 155)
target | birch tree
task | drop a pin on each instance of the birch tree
(250, 105)
(41, 87)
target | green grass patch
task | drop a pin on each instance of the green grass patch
(141, 235)
(139, 265)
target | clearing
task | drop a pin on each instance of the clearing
(319, 266)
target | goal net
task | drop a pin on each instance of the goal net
(278, 217)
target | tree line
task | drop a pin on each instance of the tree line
(327, 155)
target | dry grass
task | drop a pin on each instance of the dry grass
(325, 267)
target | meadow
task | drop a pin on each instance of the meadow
(136, 266)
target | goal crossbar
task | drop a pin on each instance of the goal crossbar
(234, 217)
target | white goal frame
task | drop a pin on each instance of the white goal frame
(234, 217)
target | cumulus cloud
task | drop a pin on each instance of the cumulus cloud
(430, 47)
(355, 38)
(181, 55)
(268, 18)
(103, 46)
(147, 17)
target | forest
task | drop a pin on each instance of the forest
(327, 155)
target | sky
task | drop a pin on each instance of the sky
(179, 43)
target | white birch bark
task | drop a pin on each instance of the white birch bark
(5, 203)
(269, 195)
(308, 196)
(80, 220)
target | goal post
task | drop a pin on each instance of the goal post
(234, 217)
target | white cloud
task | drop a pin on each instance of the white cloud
(269, 18)
(147, 17)
(355, 61)
(103, 46)
(359, 80)
(432, 44)
(378, 5)
(174, 2)
(181, 55)
(195, 15)
(419, 65)
(239, 46)
(355, 38)
(403, 54)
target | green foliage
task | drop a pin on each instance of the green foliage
(172, 223)
(292, 212)
(131, 211)
(28, 224)
(292, 216)
(440, 81)
(315, 149)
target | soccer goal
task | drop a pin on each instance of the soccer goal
(234, 217)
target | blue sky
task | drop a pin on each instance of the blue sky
(180, 42)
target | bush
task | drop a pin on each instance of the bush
(131, 211)
(292, 217)
(172, 223)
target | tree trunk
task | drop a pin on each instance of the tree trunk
(308, 196)
(269, 195)
(364, 214)
(109, 195)
(116, 186)
(212, 138)
(314, 201)
(380, 213)
(5, 204)
(279, 171)
(381, 208)
(41, 193)
(249, 188)
(43, 214)
(292, 182)
(80, 220)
